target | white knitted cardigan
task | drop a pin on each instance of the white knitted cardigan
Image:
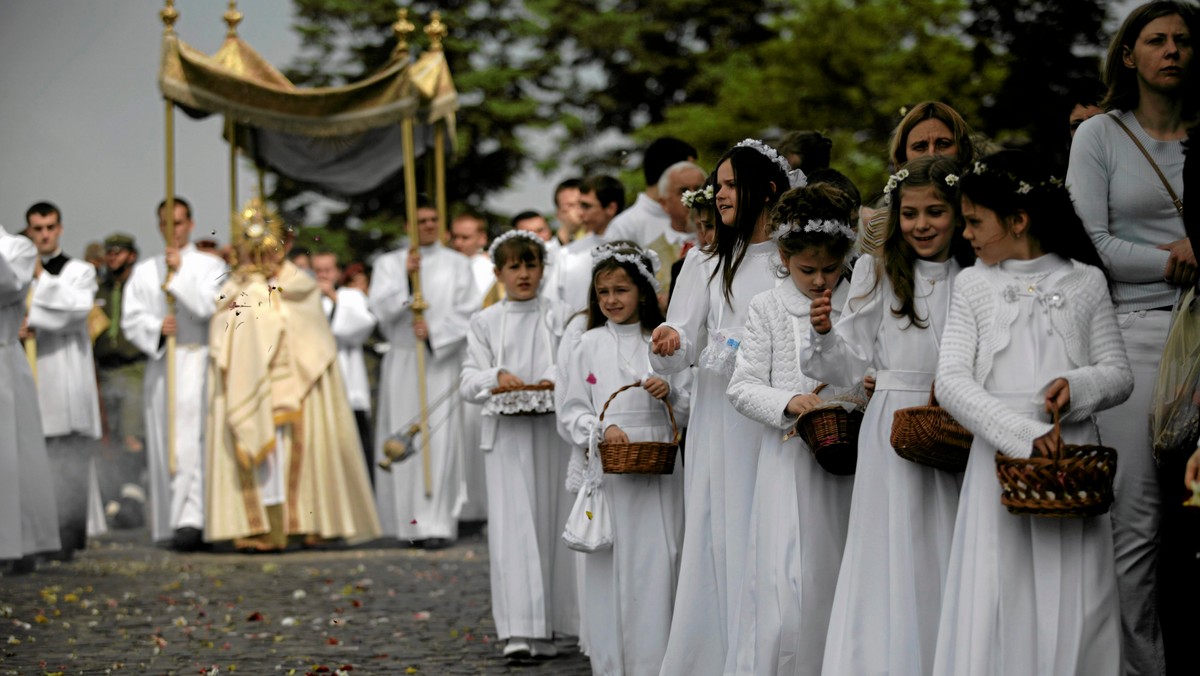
(980, 326)
(768, 372)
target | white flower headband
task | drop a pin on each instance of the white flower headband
(1023, 187)
(513, 234)
(796, 178)
(635, 256)
(822, 226)
(698, 199)
(897, 178)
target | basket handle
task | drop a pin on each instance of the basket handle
(820, 387)
(933, 394)
(667, 401)
(1060, 446)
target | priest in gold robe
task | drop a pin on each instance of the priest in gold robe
(284, 456)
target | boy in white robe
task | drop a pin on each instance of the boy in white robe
(63, 295)
(176, 498)
(28, 517)
(405, 510)
(601, 199)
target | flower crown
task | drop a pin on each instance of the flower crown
(1023, 187)
(897, 178)
(698, 199)
(796, 178)
(513, 234)
(635, 256)
(826, 227)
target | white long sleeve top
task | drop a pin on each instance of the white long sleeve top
(1125, 207)
(983, 311)
(769, 369)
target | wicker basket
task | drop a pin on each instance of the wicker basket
(642, 457)
(1073, 481)
(928, 435)
(504, 400)
(831, 433)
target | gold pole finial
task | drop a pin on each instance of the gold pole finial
(402, 28)
(436, 30)
(169, 16)
(232, 18)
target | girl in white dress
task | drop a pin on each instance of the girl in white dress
(798, 522)
(1032, 329)
(630, 588)
(704, 324)
(513, 343)
(889, 589)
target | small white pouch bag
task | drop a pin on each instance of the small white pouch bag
(589, 527)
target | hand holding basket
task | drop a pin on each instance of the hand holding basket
(1074, 480)
(831, 433)
(641, 457)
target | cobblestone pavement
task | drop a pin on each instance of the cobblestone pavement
(124, 606)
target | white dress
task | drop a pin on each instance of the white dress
(1028, 595)
(889, 589)
(28, 513)
(630, 589)
(448, 288)
(720, 460)
(798, 523)
(175, 501)
(532, 572)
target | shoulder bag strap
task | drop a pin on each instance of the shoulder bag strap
(1174, 198)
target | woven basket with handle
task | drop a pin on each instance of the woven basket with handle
(640, 457)
(831, 433)
(930, 436)
(1074, 480)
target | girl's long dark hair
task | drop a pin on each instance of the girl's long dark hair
(1015, 181)
(759, 182)
(897, 259)
(649, 314)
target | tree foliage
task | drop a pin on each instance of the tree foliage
(584, 82)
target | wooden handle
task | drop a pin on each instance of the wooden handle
(820, 387)
(667, 401)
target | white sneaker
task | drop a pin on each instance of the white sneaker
(543, 648)
(517, 649)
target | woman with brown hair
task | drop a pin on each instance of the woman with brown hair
(1125, 175)
(930, 128)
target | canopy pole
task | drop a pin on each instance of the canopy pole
(31, 341)
(231, 132)
(418, 301)
(169, 15)
(439, 175)
(437, 31)
(171, 242)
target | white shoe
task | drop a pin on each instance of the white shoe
(543, 648)
(517, 649)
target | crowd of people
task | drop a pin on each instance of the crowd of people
(709, 316)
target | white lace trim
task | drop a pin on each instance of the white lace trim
(520, 402)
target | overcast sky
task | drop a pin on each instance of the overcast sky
(81, 117)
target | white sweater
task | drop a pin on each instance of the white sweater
(768, 372)
(979, 327)
(1125, 207)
